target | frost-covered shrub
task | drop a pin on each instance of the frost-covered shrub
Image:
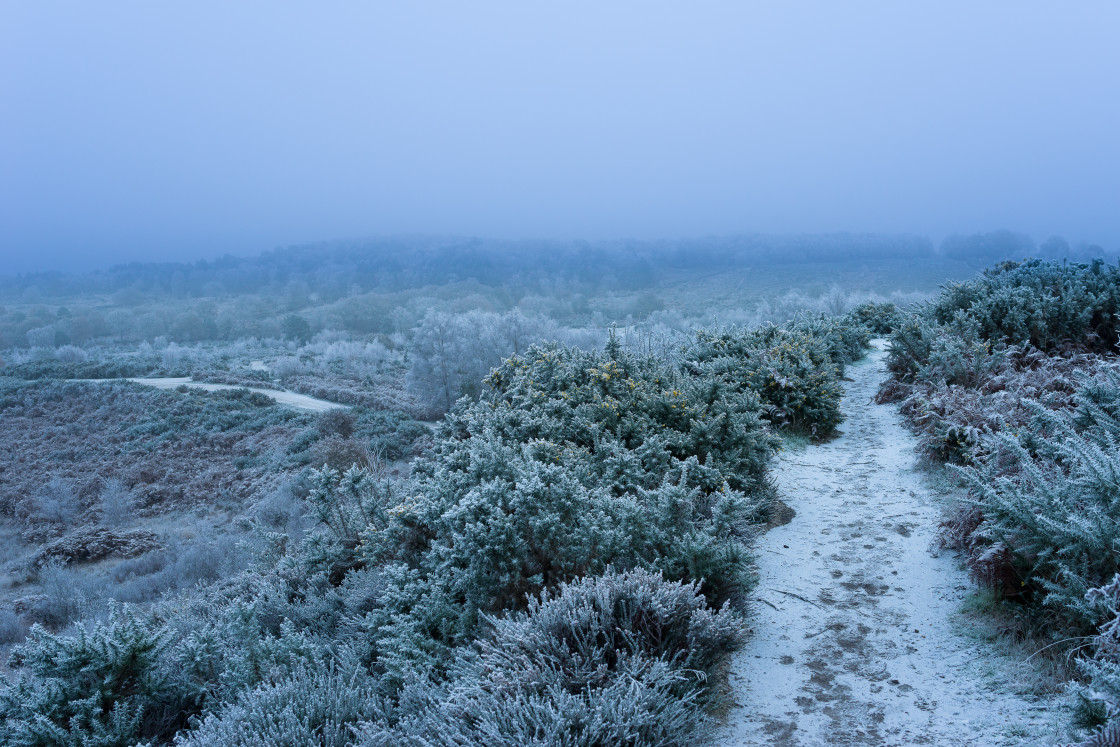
(335, 452)
(55, 503)
(314, 706)
(532, 523)
(844, 337)
(144, 565)
(206, 560)
(573, 461)
(117, 503)
(281, 509)
(67, 595)
(71, 354)
(11, 627)
(1042, 445)
(181, 566)
(793, 372)
(878, 318)
(634, 418)
(100, 686)
(336, 422)
(1101, 698)
(622, 659)
(952, 419)
(345, 507)
(1057, 515)
(1049, 306)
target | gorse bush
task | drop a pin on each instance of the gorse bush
(1057, 517)
(624, 414)
(878, 318)
(100, 686)
(1101, 698)
(571, 462)
(1048, 306)
(794, 369)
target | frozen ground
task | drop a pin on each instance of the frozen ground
(283, 397)
(857, 636)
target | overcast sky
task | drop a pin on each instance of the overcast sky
(187, 130)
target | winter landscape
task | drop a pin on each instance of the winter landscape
(833, 461)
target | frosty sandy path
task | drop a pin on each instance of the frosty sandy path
(280, 396)
(854, 639)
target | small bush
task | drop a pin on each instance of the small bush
(68, 595)
(623, 659)
(118, 504)
(878, 318)
(100, 686)
(794, 373)
(340, 453)
(336, 422)
(144, 565)
(314, 706)
(11, 627)
(55, 503)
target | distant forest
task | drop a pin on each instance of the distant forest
(386, 285)
(336, 269)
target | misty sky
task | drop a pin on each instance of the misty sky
(151, 130)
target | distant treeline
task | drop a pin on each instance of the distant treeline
(335, 269)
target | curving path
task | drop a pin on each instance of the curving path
(280, 396)
(856, 636)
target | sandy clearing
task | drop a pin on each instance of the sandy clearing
(281, 396)
(857, 638)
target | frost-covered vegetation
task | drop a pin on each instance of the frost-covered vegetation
(563, 558)
(1014, 377)
(566, 561)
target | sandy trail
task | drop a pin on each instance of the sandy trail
(855, 632)
(280, 396)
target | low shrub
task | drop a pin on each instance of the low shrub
(11, 627)
(314, 706)
(1055, 509)
(1100, 706)
(1049, 306)
(794, 373)
(622, 659)
(100, 686)
(878, 318)
(67, 595)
